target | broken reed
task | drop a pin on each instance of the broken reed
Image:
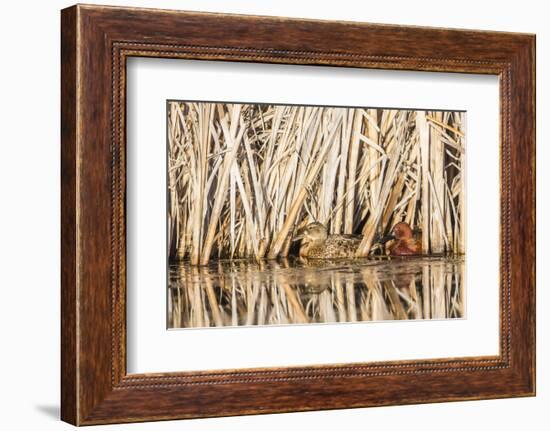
(244, 177)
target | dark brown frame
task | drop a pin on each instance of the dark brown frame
(95, 43)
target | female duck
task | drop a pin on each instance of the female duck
(318, 244)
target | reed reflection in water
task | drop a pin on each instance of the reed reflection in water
(289, 291)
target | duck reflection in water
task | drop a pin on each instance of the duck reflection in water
(301, 290)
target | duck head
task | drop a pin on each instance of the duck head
(401, 231)
(311, 235)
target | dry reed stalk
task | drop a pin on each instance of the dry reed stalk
(422, 127)
(436, 170)
(251, 297)
(242, 178)
(295, 305)
(296, 206)
(337, 287)
(352, 163)
(461, 219)
(262, 314)
(416, 311)
(214, 308)
(438, 223)
(438, 283)
(395, 156)
(233, 141)
(326, 310)
(426, 290)
(347, 125)
(374, 151)
(399, 310)
(234, 308)
(436, 120)
(352, 307)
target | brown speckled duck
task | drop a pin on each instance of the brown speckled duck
(316, 243)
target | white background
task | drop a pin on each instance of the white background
(29, 217)
(151, 348)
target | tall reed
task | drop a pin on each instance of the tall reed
(243, 177)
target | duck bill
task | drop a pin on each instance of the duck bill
(298, 237)
(386, 238)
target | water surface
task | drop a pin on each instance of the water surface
(293, 291)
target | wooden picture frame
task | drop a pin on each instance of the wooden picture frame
(96, 41)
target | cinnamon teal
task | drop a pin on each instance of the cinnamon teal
(316, 243)
(403, 240)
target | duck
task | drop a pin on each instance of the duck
(403, 240)
(316, 243)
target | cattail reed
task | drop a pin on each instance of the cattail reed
(244, 177)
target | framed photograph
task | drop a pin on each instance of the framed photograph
(264, 215)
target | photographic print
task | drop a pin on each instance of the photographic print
(291, 214)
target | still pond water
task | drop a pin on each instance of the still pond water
(290, 291)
